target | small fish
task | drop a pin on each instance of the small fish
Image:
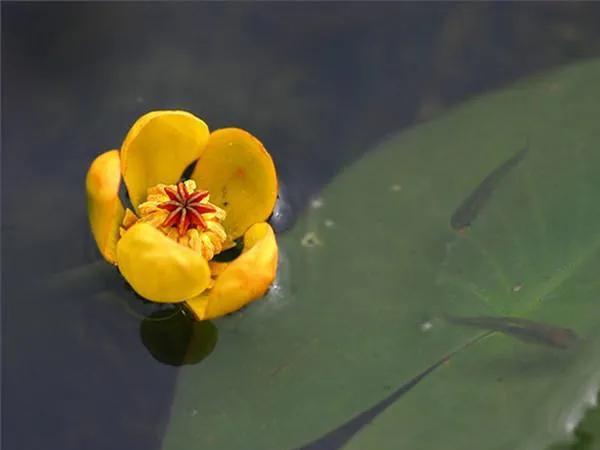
(522, 329)
(470, 208)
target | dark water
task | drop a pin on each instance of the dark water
(320, 84)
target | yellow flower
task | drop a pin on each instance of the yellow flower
(164, 248)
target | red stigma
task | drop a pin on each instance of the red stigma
(185, 209)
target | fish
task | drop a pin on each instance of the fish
(470, 208)
(523, 329)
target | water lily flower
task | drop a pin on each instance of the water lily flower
(165, 247)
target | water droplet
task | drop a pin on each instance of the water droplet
(282, 218)
(310, 239)
(426, 326)
(316, 203)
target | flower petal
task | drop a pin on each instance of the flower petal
(240, 176)
(245, 279)
(159, 268)
(158, 148)
(105, 210)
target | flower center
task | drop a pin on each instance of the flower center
(185, 208)
(185, 215)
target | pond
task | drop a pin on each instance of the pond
(437, 162)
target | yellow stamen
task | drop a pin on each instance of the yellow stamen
(209, 240)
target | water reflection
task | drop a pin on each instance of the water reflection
(168, 331)
(175, 338)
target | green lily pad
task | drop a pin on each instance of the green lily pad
(369, 271)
